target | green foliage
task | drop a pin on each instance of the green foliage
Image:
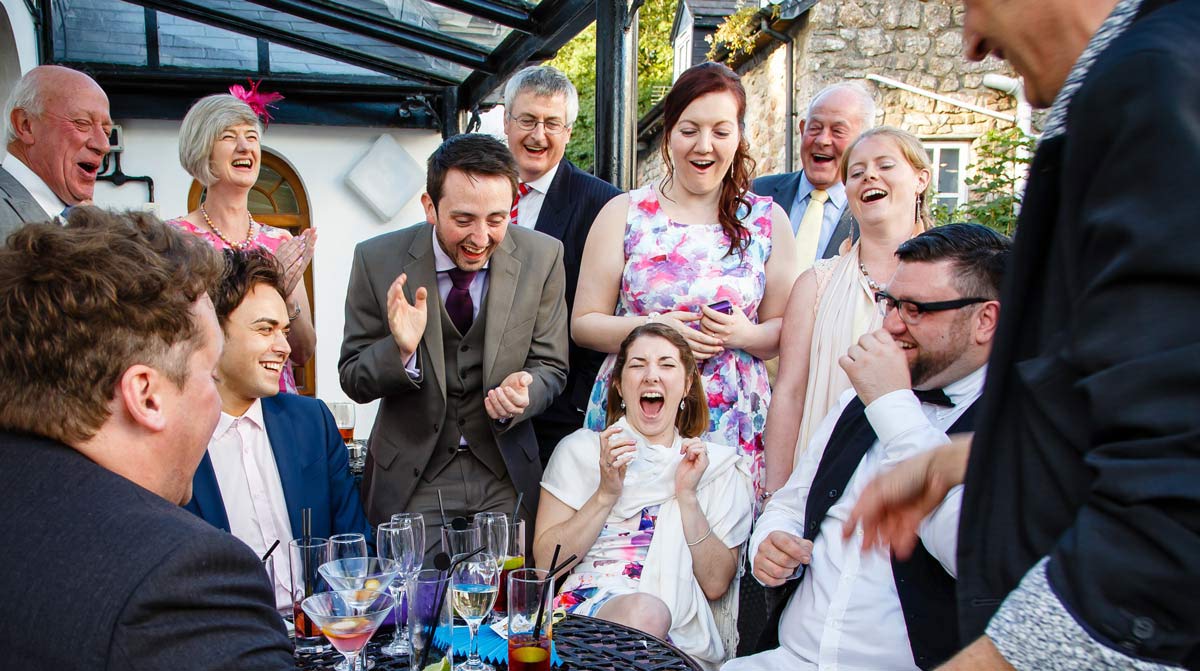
(1001, 161)
(655, 60)
(738, 32)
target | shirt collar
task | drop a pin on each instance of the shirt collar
(441, 260)
(967, 388)
(253, 414)
(837, 192)
(43, 194)
(1113, 27)
(542, 184)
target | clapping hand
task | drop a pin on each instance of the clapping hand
(294, 255)
(510, 398)
(406, 320)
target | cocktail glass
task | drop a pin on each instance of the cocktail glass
(358, 578)
(529, 640)
(476, 579)
(348, 620)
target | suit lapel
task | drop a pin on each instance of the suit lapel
(282, 435)
(787, 191)
(421, 270)
(557, 208)
(20, 200)
(503, 270)
(839, 234)
(206, 495)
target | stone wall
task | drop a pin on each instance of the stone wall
(918, 43)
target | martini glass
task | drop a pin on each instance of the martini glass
(358, 578)
(347, 622)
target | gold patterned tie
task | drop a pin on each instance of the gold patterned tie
(810, 229)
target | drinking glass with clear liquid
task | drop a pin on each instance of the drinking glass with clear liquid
(475, 582)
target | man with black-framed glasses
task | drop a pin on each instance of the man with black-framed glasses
(560, 200)
(915, 382)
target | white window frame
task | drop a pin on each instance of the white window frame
(683, 43)
(964, 159)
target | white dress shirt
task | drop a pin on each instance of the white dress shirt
(42, 194)
(251, 490)
(530, 205)
(831, 215)
(846, 613)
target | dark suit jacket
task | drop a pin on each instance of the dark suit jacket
(99, 573)
(1088, 444)
(571, 205)
(782, 189)
(313, 469)
(17, 206)
(525, 329)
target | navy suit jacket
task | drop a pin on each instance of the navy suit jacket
(313, 469)
(99, 573)
(571, 205)
(782, 189)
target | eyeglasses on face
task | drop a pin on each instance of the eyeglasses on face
(552, 126)
(911, 311)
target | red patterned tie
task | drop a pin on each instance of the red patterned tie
(522, 190)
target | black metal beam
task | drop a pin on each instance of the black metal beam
(565, 19)
(46, 38)
(168, 80)
(616, 72)
(507, 15)
(197, 12)
(451, 117)
(368, 24)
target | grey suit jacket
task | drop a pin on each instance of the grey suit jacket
(17, 206)
(525, 329)
(782, 189)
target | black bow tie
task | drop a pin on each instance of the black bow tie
(933, 396)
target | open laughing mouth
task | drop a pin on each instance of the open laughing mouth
(90, 169)
(651, 403)
(243, 163)
(823, 159)
(275, 367)
(534, 150)
(872, 195)
(702, 166)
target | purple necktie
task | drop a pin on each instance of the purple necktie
(459, 305)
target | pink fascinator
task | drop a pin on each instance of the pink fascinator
(259, 102)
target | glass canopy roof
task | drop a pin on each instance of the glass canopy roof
(440, 58)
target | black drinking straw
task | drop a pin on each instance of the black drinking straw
(442, 507)
(442, 563)
(550, 575)
(517, 508)
(270, 550)
(306, 534)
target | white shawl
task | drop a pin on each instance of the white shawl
(725, 495)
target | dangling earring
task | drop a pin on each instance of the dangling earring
(682, 405)
(622, 404)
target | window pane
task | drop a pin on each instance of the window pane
(948, 172)
(99, 32)
(948, 202)
(185, 43)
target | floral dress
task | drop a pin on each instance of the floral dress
(269, 238)
(612, 567)
(672, 266)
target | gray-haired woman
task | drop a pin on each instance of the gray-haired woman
(219, 147)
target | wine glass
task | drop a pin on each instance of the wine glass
(359, 578)
(493, 531)
(475, 580)
(396, 541)
(459, 542)
(346, 546)
(343, 416)
(348, 621)
(418, 527)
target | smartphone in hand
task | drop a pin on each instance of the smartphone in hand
(722, 306)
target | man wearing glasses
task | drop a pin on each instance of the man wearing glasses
(915, 381)
(560, 200)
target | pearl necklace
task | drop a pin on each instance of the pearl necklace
(875, 286)
(239, 246)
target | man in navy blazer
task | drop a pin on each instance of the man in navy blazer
(108, 342)
(560, 200)
(272, 455)
(837, 115)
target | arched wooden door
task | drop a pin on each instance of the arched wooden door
(278, 199)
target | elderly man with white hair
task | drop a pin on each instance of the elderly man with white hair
(57, 126)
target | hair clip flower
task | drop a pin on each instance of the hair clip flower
(258, 102)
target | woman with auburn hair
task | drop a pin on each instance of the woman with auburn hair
(886, 172)
(700, 253)
(219, 147)
(656, 515)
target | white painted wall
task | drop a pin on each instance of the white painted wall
(23, 35)
(322, 156)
